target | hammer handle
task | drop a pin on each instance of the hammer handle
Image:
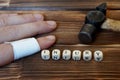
(111, 24)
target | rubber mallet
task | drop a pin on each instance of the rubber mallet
(94, 22)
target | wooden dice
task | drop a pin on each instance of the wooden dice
(75, 55)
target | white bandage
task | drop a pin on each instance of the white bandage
(25, 47)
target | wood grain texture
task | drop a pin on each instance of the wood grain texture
(61, 4)
(69, 25)
(67, 70)
(80, 4)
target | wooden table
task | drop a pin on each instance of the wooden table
(69, 15)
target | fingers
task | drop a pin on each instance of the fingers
(7, 15)
(25, 30)
(46, 42)
(7, 53)
(14, 19)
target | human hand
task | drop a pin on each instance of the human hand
(15, 27)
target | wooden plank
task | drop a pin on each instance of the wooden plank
(70, 23)
(62, 4)
(69, 16)
(62, 69)
(23, 1)
(11, 71)
(113, 14)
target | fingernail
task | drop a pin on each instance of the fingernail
(51, 24)
(38, 16)
(51, 37)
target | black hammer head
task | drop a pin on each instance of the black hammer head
(87, 33)
(96, 18)
(93, 22)
(102, 7)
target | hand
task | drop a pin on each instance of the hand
(15, 27)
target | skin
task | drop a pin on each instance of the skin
(14, 27)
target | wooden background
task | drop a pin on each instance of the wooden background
(69, 15)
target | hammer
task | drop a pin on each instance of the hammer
(95, 21)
